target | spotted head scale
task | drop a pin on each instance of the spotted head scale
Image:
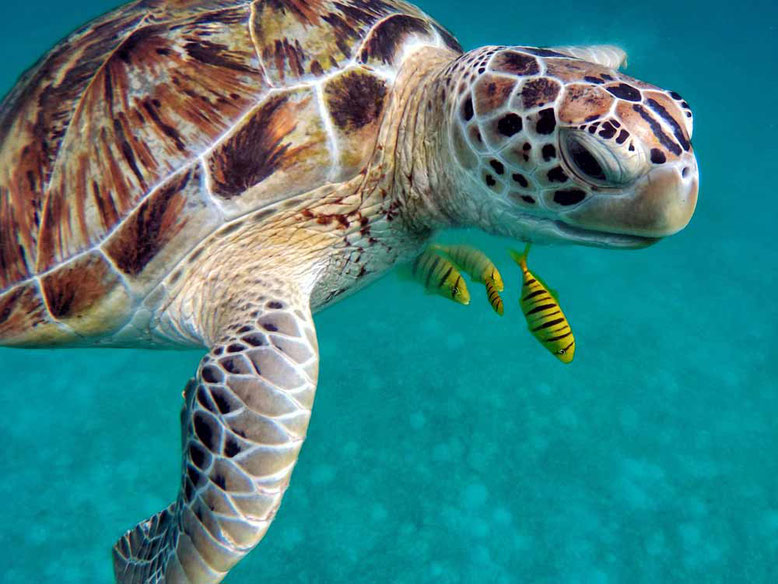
(560, 145)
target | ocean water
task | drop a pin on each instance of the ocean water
(446, 445)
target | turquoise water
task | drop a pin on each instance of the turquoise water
(446, 445)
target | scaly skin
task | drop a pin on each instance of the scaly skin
(657, 189)
(300, 260)
(337, 240)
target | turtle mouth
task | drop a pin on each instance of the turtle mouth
(553, 230)
(598, 238)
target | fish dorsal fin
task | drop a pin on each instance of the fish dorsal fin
(609, 56)
(548, 288)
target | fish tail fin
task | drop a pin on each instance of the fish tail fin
(521, 257)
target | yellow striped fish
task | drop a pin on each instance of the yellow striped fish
(494, 297)
(544, 316)
(440, 276)
(480, 268)
(474, 263)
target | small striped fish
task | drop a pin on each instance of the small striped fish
(474, 263)
(440, 276)
(494, 297)
(544, 316)
(480, 268)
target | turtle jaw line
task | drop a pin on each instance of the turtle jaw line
(599, 238)
(530, 227)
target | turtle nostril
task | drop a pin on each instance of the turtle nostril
(685, 171)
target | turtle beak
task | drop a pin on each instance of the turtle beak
(660, 204)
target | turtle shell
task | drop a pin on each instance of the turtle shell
(146, 129)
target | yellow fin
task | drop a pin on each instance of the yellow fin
(521, 257)
(549, 289)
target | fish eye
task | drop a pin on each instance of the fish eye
(561, 352)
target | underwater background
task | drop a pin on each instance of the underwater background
(446, 445)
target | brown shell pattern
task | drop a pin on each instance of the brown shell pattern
(139, 132)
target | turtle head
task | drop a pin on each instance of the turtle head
(562, 148)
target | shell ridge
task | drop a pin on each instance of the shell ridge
(329, 128)
(206, 187)
(147, 195)
(358, 50)
(253, 36)
(70, 224)
(61, 325)
(251, 110)
(122, 276)
(99, 245)
(55, 166)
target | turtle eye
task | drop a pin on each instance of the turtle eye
(584, 161)
(597, 163)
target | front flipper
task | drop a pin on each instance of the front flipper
(243, 424)
(609, 56)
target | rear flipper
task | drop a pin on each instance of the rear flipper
(243, 424)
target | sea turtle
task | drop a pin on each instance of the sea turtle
(211, 173)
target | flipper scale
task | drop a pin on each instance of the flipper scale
(244, 420)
